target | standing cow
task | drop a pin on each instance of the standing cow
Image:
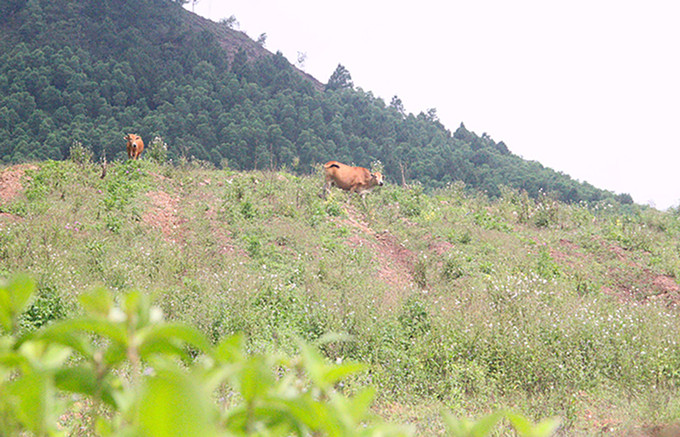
(352, 179)
(135, 145)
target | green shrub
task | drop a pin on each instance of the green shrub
(157, 150)
(411, 201)
(253, 244)
(452, 269)
(46, 307)
(490, 222)
(333, 208)
(51, 176)
(414, 317)
(80, 154)
(462, 236)
(112, 223)
(546, 212)
(248, 211)
(546, 265)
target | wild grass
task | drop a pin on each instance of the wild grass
(454, 300)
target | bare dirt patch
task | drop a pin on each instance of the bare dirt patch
(569, 244)
(394, 264)
(666, 284)
(395, 261)
(635, 281)
(665, 288)
(401, 259)
(568, 253)
(163, 215)
(440, 247)
(10, 181)
(356, 222)
(629, 280)
(5, 216)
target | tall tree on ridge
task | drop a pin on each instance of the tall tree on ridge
(339, 79)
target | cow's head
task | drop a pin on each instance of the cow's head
(377, 178)
(132, 140)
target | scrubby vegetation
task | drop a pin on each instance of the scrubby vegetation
(452, 300)
(128, 372)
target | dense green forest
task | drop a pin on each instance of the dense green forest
(89, 71)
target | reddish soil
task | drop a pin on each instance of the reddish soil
(568, 244)
(666, 284)
(441, 247)
(163, 215)
(222, 236)
(635, 281)
(5, 216)
(356, 222)
(10, 181)
(395, 262)
(567, 253)
(629, 280)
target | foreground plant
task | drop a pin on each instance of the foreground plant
(120, 369)
(485, 425)
(133, 373)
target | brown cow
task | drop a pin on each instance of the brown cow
(135, 145)
(352, 179)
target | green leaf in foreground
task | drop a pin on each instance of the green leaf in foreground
(525, 428)
(172, 403)
(15, 296)
(469, 428)
(324, 374)
(83, 380)
(32, 397)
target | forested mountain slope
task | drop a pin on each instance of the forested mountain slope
(90, 71)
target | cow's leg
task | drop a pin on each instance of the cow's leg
(363, 199)
(326, 189)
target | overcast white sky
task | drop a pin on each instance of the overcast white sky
(587, 87)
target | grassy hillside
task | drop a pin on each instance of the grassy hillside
(454, 300)
(90, 71)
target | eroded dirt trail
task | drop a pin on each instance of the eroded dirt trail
(163, 215)
(395, 261)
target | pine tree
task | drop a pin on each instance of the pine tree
(340, 79)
